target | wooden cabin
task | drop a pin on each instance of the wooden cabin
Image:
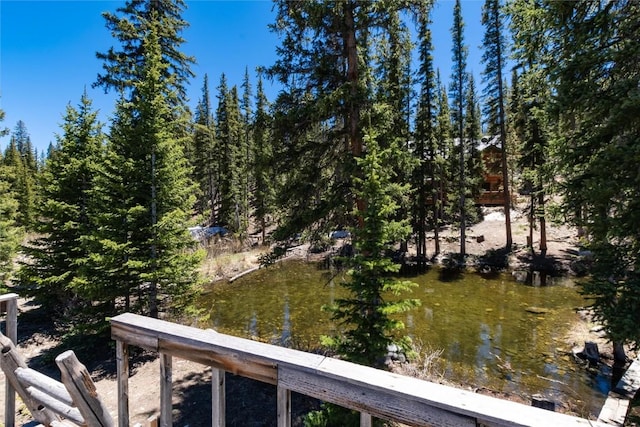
(492, 193)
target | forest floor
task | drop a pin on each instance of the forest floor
(250, 403)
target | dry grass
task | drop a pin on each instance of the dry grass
(426, 364)
(228, 257)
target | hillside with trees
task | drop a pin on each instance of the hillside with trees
(363, 136)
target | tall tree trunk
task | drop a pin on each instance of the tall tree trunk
(463, 219)
(503, 143)
(153, 286)
(421, 244)
(543, 224)
(532, 212)
(353, 112)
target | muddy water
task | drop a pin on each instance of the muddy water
(493, 331)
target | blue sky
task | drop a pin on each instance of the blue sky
(47, 52)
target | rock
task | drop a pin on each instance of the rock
(539, 401)
(590, 352)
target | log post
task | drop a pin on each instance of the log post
(166, 382)
(31, 378)
(60, 408)
(80, 386)
(10, 360)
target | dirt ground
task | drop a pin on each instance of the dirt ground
(250, 403)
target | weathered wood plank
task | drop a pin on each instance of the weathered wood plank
(53, 404)
(379, 393)
(237, 362)
(77, 380)
(133, 335)
(8, 297)
(409, 400)
(239, 356)
(360, 397)
(10, 360)
(153, 421)
(122, 368)
(630, 382)
(284, 407)
(166, 390)
(616, 407)
(218, 402)
(208, 340)
(10, 303)
(31, 378)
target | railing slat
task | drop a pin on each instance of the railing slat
(284, 407)
(122, 366)
(166, 390)
(218, 406)
(365, 420)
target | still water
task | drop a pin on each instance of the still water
(493, 332)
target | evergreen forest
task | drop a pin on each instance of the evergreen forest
(363, 136)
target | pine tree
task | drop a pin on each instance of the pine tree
(473, 134)
(393, 82)
(458, 90)
(593, 62)
(128, 25)
(426, 175)
(444, 142)
(230, 157)
(533, 91)
(204, 161)
(246, 151)
(318, 113)
(57, 277)
(366, 313)
(142, 246)
(494, 58)
(10, 233)
(22, 140)
(23, 184)
(265, 180)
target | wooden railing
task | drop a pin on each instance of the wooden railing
(372, 392)
(9, 306)
(616, 407)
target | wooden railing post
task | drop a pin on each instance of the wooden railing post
(284, 407)
(218, 405)
(78, 382)
(166, 385)
(365, 420)
(10, 361)
(11, 325)
(122, 362)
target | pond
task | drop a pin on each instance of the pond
(493, 332)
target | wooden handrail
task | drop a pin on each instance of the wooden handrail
(371, 391)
